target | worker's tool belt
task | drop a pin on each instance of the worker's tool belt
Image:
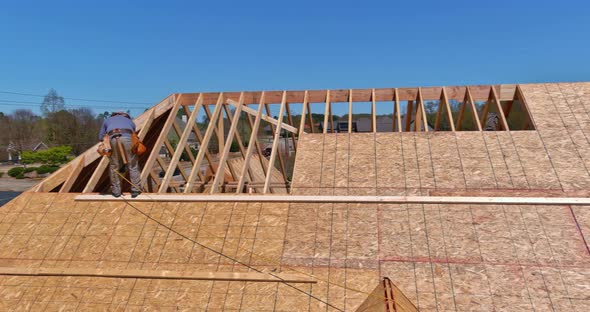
(104, 148)
(137, 147)
(120, 131)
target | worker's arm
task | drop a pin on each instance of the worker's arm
(103, 130)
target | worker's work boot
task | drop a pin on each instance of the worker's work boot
(135, 194)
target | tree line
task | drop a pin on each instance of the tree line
(56, 126)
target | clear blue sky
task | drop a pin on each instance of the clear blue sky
(141, 51)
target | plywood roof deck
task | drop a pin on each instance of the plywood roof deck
(449, 256)
(442, 256)
(467, 257)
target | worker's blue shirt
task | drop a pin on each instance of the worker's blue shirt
(115, 122)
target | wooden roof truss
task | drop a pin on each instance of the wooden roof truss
(258, 171)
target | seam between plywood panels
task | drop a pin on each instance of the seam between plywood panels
(569, 132)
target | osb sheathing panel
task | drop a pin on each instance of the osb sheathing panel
(451, 256)
(457, 257)
(463, 257)
(416, 162)
(53, 231)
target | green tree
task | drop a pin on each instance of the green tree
(103, 116)
(52, 156)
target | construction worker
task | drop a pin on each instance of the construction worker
(119, 128)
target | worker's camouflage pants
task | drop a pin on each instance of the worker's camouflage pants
(116, 163)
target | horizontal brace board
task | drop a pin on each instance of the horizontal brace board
(156, 274)
(263, 116)
(480, 92)
(479, 200)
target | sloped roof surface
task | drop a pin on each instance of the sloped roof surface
(446, 257)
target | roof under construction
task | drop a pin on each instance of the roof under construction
(470, 198)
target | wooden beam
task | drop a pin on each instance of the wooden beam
(419, 115)
(409, 112)
(180, 146)
(496, 100)
(459, 123)
(266, 118)
(187, 149)
(360, 95)
(218, 135)
(350, 111)
(438, 115)
(199, 136)
(393, 299)
(257, 184)
(484, 114)
(171, 150)
(290, 119)
(159, 141)
(518, 94)
(473, 108)
(205, 145)
(326, 112)
(96, 175)
(397, 112)
(316, 199)
(156, 274)
(373, 112)
(156, 180)
(310, 115)
(275, 144)
(161, 163)
(422, 109)
(147, 124)
(281, 162)
(253, 143)
(261, 158)
(221, 130)
(238, 140)
(331, 119)
(418, 120)
(220, 176)
(303, 112)
(67, 186)
(164, 167)
(444, 100)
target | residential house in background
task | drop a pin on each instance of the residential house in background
(12, 154)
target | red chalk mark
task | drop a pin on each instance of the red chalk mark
(371, 263)
(479, 262)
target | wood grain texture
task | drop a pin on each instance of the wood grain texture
(472, 200)
(155, 274)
